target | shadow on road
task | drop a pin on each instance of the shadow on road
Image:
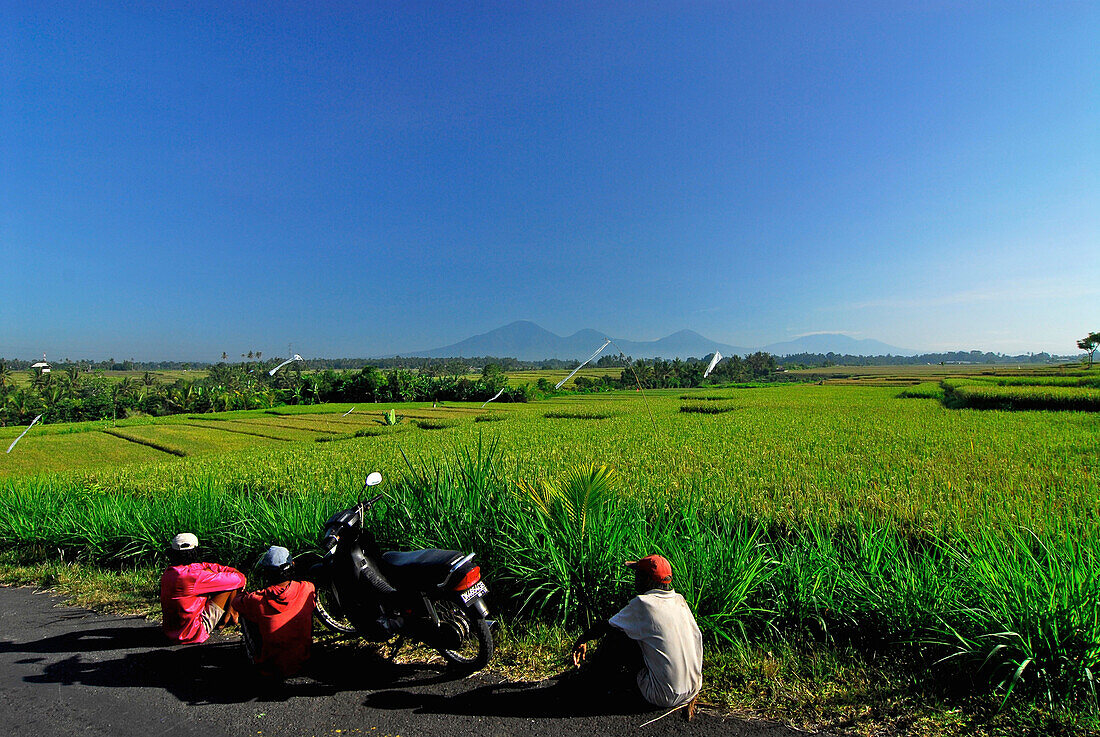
(216, 672)
(133, 654)
(564, 700)
(104, 638)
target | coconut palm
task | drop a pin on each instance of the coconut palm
(6, 379)
(20, 404)
(53, 393)
(41, 379)
(173, 400)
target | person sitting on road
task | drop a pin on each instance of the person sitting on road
(278, 618)
(195, 597)
(654, 636)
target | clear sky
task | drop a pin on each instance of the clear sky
(178, 180)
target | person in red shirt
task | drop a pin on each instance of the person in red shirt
(278, 619)
(195, 597)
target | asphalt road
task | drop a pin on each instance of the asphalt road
(68, 671)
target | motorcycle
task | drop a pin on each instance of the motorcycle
(432, 596)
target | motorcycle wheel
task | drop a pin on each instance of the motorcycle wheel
(477, 641)
(327, 609)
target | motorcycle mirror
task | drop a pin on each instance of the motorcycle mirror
(373, 480)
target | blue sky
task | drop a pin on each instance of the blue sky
(182, 180)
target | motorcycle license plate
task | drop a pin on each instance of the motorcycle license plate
(478, 589)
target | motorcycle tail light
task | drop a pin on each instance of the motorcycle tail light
(472, 576)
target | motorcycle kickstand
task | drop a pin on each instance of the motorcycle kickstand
(396, 648)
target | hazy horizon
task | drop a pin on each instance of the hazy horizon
(267, 355)
(359, 181)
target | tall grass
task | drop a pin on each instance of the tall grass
(1029, 613)
(1006, 608)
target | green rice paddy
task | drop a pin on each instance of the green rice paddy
(839, 514)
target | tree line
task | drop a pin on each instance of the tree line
(70, 394)
(820, 360)
(659, 373)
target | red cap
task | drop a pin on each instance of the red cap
(655, 567)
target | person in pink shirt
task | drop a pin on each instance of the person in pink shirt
(196, 597)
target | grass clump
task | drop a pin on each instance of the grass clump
(577, 415)
(963, 393)
(366, 432)
(1087, 381)
(923, 390)
(708, 408)
(436, 423)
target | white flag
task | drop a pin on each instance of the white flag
(567, 378)
(296, 357)
(713, 362)
(36, 419)
(494, 397)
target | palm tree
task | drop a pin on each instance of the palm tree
(191, 397)
(643, 373)
(21, 403)
(54, 393)
(5, 375)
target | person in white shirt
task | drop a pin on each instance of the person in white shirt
(654, 637)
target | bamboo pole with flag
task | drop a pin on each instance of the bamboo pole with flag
(574, 371)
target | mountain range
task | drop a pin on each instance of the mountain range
(527, 341)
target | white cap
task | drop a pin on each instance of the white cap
(184, 541)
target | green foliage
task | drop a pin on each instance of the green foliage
(1028, 617)
(1089, 344)
(390, 417)
(69, 396)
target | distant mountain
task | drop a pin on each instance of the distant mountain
(529, 342)
(836, 343)
(684, 344)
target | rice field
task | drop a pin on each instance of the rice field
(839, 514)
(1032, 393)
(790, 453)
(516, 378)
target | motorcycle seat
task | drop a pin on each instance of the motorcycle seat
(421, 569)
